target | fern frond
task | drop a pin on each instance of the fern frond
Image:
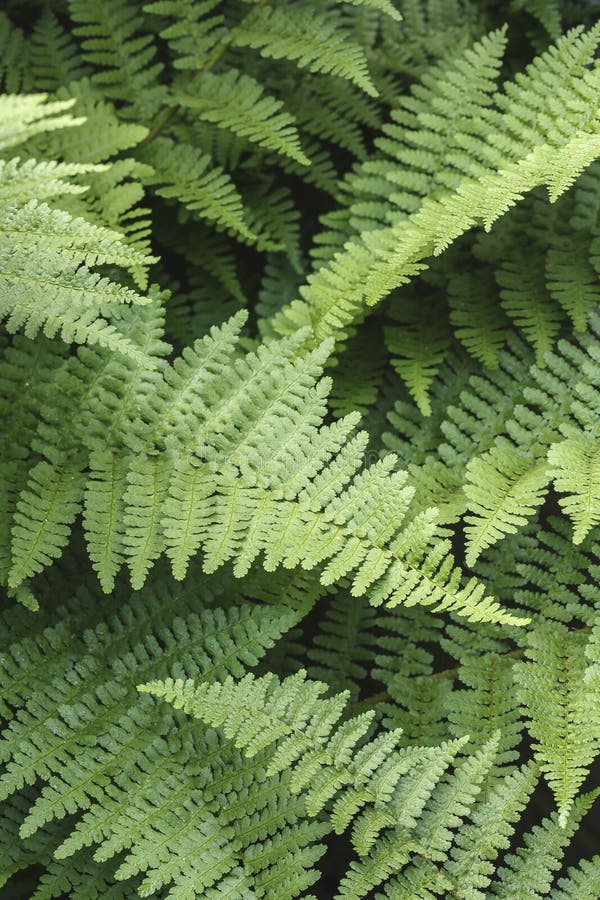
(573, 470)
(385, 6)
(196, 32)
(54, 58)
(45, 512)
(558, 702)
(144, 498)
(184, 174)
(526, 300)
(25, 115)
(503, 487)
(124, 58)
(15, 68)
(490, 180)
(103, 516)
(528, 872)
(548, 13)
(157, 796)
(237, 102)
(476, 316)
(583, 881)
(307, 37)
(477, 846)
(571, 279)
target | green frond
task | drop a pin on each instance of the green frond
(54, 58)
(125, 59)
(528, 872)
(267, 552)
(343, 647)
(476, 317)
(504, 488)
(548, 13)
(358, 374)
(26, 115)
(559, 705)
(385, 6)
(157, 804)
(572, 280)
(46, 509)
(527, 302)
(32, 181)
(237, 102)
(583, 881)
(491, 828)
(196, 32)
(487, 705)
(489, 180)
(103, 516)
(183, 174)
(417, 349)
(15, 67)
(573, 465)
(307, 37)
(143, 539)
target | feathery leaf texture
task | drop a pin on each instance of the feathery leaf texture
(299, 595)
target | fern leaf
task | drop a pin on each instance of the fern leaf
(181, 172)
(45, 512)
(144, 500)
(35, 181)
(196, 32)
(385, 6)
(307, 37)
(125, 59)
(476, 316)
(528, 872)
(54, 58)
(573, 469)
(385, 258)
(526, 301)
(103, 515)
(504, 487)
(572, 280)
(479, 842)
(558, 703)
(186, 510)
(417, 350)
(237, 102)
(581, 881)
(27, 115)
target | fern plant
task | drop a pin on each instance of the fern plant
(300, 467)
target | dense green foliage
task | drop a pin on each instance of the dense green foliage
(300, 449)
